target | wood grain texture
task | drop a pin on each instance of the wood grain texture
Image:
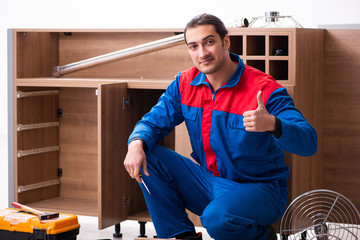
(342, 113)
(79, 143)
(80, 46)
(78, 206)
(309, 95)
(36, 53)
(39, 167)
(112, 148)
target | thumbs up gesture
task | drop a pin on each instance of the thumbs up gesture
(259, 120)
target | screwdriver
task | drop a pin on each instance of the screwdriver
(147, 189)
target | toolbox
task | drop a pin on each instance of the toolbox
(16, 224)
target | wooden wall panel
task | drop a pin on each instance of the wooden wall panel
(342, 113)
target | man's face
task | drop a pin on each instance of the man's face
(207, 50)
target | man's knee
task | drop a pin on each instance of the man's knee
(221, 224)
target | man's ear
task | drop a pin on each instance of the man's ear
(227, 42)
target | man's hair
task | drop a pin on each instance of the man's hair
(207, 19)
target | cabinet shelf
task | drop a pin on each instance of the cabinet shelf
(255, 58)
(30, 187)
(87, 207)
(21, 94)
(24, 153)
(142, 216)
(24, 127)
(278, 58)
(132, 83)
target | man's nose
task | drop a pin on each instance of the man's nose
(203, 52)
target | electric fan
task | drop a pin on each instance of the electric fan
(320, 215)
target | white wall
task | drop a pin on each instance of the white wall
(143, 14)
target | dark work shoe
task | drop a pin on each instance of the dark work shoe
(193, 236)
(271, 235)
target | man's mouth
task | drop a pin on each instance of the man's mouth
(206, 61)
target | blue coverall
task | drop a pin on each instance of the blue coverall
(239, 185)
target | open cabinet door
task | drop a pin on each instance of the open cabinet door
(113, 134)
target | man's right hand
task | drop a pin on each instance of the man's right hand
(135, 158)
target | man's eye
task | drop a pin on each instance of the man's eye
(192, 47)
(209, 41)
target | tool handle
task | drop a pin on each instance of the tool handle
(26, 208)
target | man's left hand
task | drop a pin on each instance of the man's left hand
(259, 120)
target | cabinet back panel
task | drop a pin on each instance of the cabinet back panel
(36, 53)
(78, 143)
(38, 168)
(163, 64)
(142, 102)
(37, 109)
(39, 194)
(38, 138)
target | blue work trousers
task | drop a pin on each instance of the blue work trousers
(228, 210)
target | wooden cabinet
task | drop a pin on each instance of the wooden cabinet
(62, 138)
(70, 132)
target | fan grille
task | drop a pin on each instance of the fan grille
(322, 215)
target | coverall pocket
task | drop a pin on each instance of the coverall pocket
(189, 113)
(241, 141)
(193, 125)
(244, 226)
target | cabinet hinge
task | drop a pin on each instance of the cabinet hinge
(60, 172)
(127, 101)
(59, 113)
(127, 200)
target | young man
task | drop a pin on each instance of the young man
(239, 121)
